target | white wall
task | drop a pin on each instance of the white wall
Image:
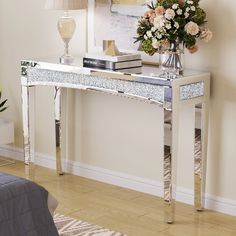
(119, 134)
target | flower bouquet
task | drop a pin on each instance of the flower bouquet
(171, 23)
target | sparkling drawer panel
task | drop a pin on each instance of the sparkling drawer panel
(191, 91)
(46, 77)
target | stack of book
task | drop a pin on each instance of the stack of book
(125, 62)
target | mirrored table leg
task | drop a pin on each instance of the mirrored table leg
(28, 130)
(57, 113)
(200, 148)
(169, 169)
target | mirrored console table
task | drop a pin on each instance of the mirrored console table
(192, 88)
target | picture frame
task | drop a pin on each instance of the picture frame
(108, 21)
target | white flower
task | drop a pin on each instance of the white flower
(175, 6)
(162, 30)
(176, 25)
(149, 34)
(190, 2)
(159, 22)
(187, 9)
(145, 37)
(191, 28)
(155, 43)
(153, 29)
(169, 14)
(186, 15)
(193, 8)
(159, 36)
(179, 11)
(168, 26)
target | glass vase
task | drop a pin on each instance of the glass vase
(172, 60)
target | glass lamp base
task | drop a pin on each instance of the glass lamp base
(66, 28)
(66, 59)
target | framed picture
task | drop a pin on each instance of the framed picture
(116, 20)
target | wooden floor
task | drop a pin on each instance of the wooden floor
(123, 210)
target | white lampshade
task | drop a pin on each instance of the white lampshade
(66, 4)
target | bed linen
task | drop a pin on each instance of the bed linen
(24, 208)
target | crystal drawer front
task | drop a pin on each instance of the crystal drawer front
(191, 91)
(60, 78)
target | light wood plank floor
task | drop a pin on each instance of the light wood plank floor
(131, 212)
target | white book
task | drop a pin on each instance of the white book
(136, 70)
(128, 64)
(122, 57)
(95, 63)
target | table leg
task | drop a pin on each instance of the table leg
(200, 149)
(169, 168)
(28, 130)
(57, 113)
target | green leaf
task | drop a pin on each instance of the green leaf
(147, 47)
(3, 103)
(3, 109)
(189, 40)
(151, 6)
(166, 3)
(137, 40)
(200, 16)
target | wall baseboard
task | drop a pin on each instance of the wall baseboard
(184, 195)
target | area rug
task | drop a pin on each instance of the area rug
(67, 226)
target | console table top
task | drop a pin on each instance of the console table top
(149, 85)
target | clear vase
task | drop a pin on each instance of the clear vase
(172, 60)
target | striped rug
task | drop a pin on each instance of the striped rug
(67, 226)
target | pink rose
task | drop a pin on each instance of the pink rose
(160, 10)
(165, 44)
(149, 13)
(191, 28)
(169, 14)
(206, 35)
(181, 2)
(159, 21)
(152, 17)
(193, 49)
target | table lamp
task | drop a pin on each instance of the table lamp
(66, 24)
